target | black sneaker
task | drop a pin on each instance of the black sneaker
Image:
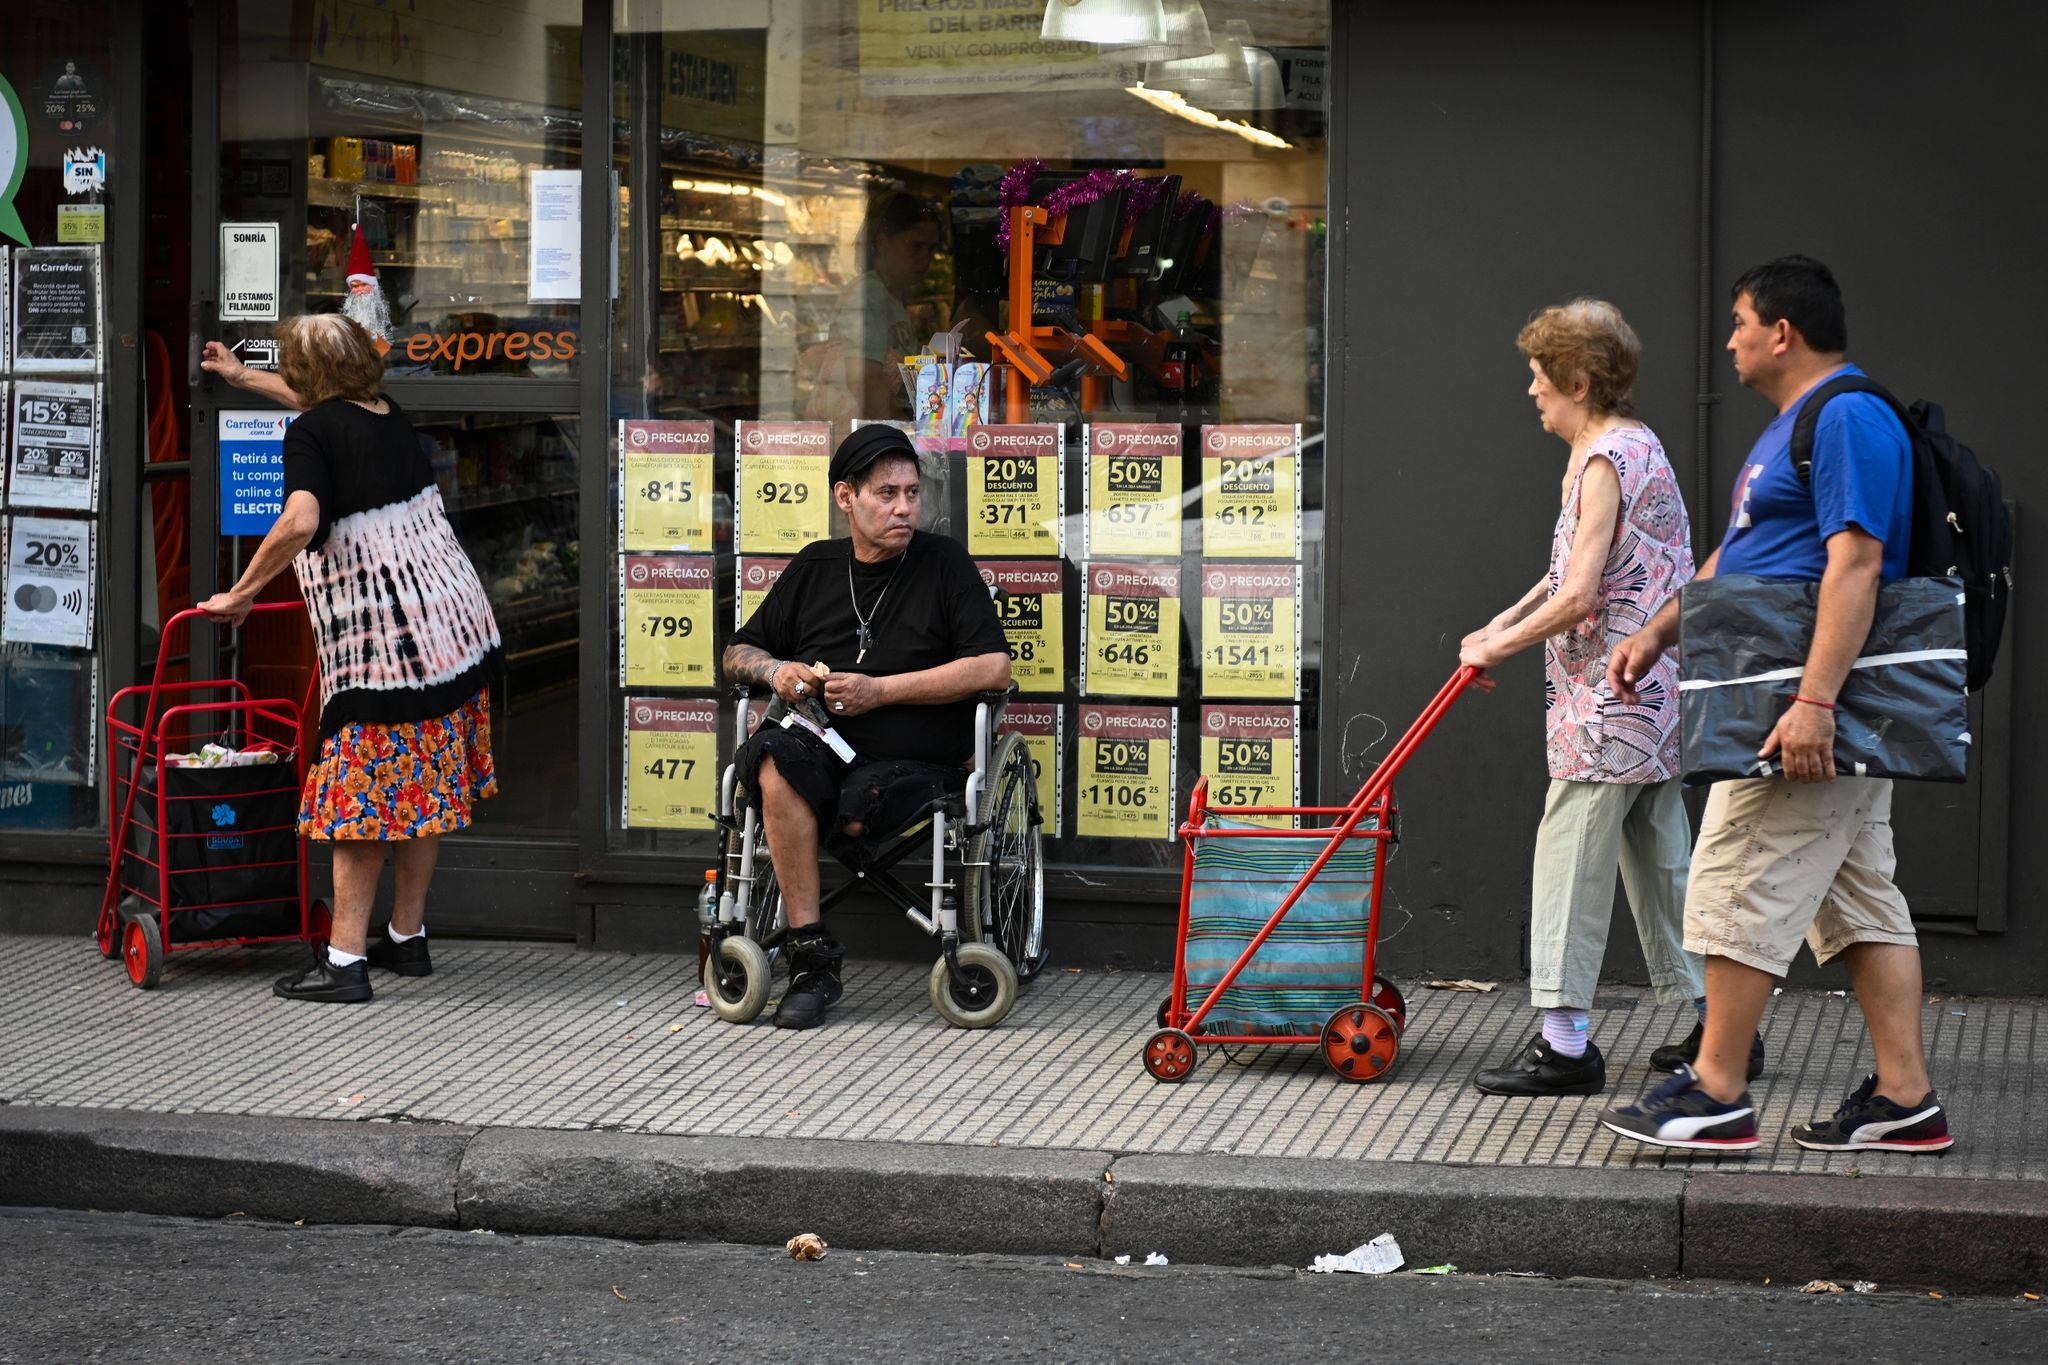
(814, 984)
(1868, 1122)
(1672, 1056)
(324, 981)
(407, 959)
(1676, 1114)
(1540, 1069)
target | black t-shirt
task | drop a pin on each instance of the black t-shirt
(353, 460)
(933, 608)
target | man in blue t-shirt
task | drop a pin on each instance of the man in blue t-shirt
(1805, 854)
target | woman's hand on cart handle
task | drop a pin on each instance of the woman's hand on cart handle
(230, 608)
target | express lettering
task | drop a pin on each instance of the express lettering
(461, 348)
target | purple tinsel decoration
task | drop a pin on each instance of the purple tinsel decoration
(1144, 194)
(1185, 205)
(1015, 192)
(1062, 200)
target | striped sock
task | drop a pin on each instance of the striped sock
(1565, 1031)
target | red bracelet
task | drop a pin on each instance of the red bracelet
(1823, 705)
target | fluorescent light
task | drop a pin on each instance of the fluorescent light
(1105, 23)
(1172, 102)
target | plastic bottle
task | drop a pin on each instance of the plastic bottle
(707, 917)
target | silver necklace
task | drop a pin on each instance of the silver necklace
(865, 640)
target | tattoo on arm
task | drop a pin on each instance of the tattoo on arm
(751, 664)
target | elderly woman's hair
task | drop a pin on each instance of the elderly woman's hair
(325, 355)
(1586, 339)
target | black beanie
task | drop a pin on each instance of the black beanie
(864, 445)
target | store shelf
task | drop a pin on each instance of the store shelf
(341, 194)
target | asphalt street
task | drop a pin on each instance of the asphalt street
(119, 1287)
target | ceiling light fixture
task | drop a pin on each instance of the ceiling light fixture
(1105, 23)
(1174, 103)
(1220, 69)
(1263, 88)
(1186, 35)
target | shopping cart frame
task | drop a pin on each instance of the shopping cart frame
(172, 713)
(1360, 1041)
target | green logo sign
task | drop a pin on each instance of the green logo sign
(13, 161)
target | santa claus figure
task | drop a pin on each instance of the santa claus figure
(365, 304)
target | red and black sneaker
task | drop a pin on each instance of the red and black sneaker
(1868, 1122)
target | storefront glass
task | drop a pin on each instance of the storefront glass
(451, 137)
(812, 197)
(58, 117)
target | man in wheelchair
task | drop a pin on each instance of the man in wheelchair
(878, 643)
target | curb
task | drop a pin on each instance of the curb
(1967, 1236)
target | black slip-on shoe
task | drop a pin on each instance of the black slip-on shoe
(814, 984)
(1672, 1056)
(407, 959)
(1539, 1069)
(323, 981)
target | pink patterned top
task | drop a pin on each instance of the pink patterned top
(1591, 737)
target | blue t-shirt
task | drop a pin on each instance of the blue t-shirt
(1862, 477)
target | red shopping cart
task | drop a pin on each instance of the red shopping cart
(1301, 972)
(203, 856)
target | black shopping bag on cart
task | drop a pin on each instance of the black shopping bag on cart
(1903, 711)
(231, 846)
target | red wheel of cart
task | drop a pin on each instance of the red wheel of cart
(1360, 1042)
(319, 922)
(1388, 997)
(1170, 1055)
(142, 951)
(108, 934)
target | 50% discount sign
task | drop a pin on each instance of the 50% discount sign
(1126, 780)
(1133, 488)
(1250, 644)
(1132, 646)
(1250, 755)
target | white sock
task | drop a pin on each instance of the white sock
(336, 957)
(397, 937)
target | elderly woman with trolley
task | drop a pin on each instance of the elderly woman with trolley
(409, 652)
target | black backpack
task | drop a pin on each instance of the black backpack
(1961, 525)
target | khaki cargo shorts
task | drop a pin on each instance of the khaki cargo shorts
(1779, 861)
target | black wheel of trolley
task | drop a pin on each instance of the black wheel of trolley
(1005, 901)
(1388, 997)
(1360, 1042)
(766, 921)
(142, 951)
(1170, 1055)
(1159, 1017)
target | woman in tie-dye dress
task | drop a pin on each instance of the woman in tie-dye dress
(1619, 550)
(408, 648)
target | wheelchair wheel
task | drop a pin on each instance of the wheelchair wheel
(736, 978)
(1006, 903)
(985, 992)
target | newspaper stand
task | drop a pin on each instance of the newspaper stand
(204, 857)
(1315, 985)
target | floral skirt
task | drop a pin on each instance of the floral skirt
(401, 781)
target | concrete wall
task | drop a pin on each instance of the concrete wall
(1496, 159)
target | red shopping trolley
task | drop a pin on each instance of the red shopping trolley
(1300, 971)
(204, 856)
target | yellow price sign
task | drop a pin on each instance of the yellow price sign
(757, 575)
(1250, 756)
(671, 763)
(785, 493)
(1039, 725)
(665, 488)
(1014, 478)
(1133, 488)
(1251, 640)
(1125, 781)
(1251, 492)
(1132, 644)
(665, 622)
(1030, 596)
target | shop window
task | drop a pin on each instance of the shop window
(813, 200)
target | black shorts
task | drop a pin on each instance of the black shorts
(882, 795)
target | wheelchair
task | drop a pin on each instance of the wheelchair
(984, 902)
